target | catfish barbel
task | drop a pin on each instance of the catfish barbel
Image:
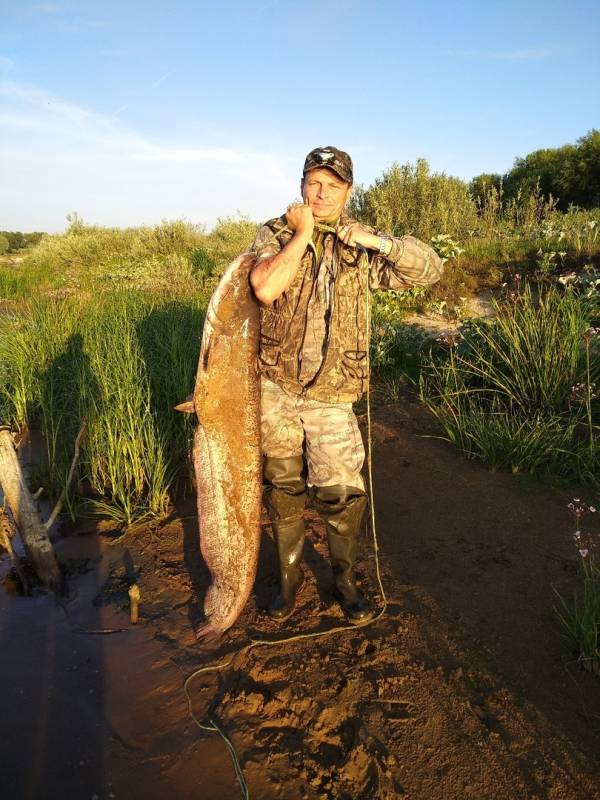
(226, 451)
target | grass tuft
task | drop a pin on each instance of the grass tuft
(504, 392)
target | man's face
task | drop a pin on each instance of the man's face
(325, 192)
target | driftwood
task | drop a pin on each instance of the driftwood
(6, 534)
(34, 533)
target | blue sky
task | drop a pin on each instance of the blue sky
(133, 112)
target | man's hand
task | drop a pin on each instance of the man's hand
(274, 275)
(355, 234)
(300, 218)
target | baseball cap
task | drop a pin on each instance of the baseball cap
(331, 158)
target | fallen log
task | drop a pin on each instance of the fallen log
(19, 499)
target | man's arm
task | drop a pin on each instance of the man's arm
(399, 262)
(273, 274)
(409, 263)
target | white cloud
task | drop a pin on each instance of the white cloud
(57, 156)
(524, 54)
(78, 127)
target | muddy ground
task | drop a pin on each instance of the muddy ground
(466, 688)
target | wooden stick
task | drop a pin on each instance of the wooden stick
(60, 502)
(25, 514)
(134, 599)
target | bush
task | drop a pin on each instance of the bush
(229, 238)
(162, 258)
(18, 240)
(411, 199)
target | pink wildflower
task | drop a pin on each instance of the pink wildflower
(579, 508)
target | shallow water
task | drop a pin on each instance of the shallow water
(90, 715)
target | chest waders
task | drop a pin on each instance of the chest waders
(342, 509)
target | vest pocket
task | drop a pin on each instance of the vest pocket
(354, 364)
(269, 350)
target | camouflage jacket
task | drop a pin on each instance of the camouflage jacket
(314, 338)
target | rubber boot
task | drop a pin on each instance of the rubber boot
(343, 509)
(285, 498)
(289, 538)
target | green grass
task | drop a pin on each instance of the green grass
(102, 326)
(504, 393)
(118, 362)
(581, 619)
(396, 347)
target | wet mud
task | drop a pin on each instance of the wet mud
(466, 688)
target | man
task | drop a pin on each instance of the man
(313, 271)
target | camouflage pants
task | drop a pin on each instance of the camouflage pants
(328, 431)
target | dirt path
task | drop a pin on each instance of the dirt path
(465, 689)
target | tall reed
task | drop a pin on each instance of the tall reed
(504, 392)
(118, 362)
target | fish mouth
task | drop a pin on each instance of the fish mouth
(208, 633)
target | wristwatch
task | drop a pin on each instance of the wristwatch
(383, 245)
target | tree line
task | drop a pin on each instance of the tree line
(410, 198)
(12, 241)
(571, 174)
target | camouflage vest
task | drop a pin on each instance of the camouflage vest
(342, 376)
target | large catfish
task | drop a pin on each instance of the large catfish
(226, 451)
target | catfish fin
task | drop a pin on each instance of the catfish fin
(187, 406)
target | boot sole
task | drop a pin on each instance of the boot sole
(291, 612)
(339, 600)
(359, 622)
(282, 618)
